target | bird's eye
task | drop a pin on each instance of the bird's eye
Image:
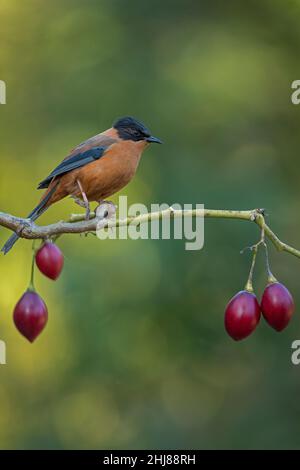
(135, 133)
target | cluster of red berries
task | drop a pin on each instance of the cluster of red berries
(243, 312)
(30, 313)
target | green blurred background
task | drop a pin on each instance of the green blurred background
(135, 354)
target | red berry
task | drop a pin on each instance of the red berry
(30, 315)
(50, 260)
(242, 315)
(277, 305)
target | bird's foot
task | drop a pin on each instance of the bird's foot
(87, 212)
(84, 204)
(24, 224)
(78, 201)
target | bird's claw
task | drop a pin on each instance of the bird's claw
(83, 204)
(24, 224)
(87, 213)
(78, 201)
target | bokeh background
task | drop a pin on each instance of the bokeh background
(135, 354)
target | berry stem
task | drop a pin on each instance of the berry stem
(271, 277)
(249, 284)
(31, 286)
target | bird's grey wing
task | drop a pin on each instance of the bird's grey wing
(84, 153)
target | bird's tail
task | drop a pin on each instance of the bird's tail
(34, 214)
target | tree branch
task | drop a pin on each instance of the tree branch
(105, 218)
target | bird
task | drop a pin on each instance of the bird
(95, 169)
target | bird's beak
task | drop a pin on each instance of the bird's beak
(153, 140)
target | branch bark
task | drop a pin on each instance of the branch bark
(25, 228)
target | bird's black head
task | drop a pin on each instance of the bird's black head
(131, 129)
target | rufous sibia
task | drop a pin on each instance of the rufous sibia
(95, 169)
